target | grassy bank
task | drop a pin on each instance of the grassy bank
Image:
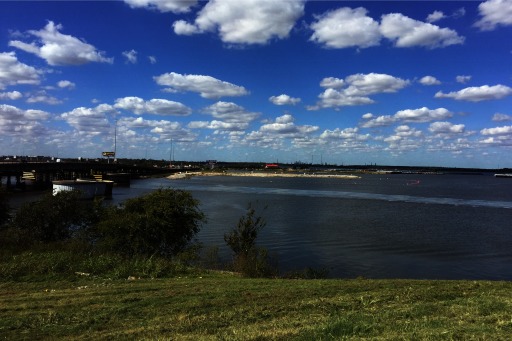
(212, 305)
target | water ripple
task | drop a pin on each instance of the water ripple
(353, 195)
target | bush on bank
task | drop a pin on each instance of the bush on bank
(61, 235)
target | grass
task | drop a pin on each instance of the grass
(223, 306)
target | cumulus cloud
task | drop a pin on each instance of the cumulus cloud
(422, 115)
(19, 122)
(477, 94)
(131, 56)
(407, 32)
(345, 27)
(206, 86)
(435, 16)
(285, 126)
(446, 129)
(60, 49)
(343, 134)
(332, 82)
(174, 6)
(379, 121)
(494, 13)
(152, 59)
(284, 100)
(64, 84)
(157, 106)
(497, 130)
(245, 22)
(231, 112)
(355, 89)
(499, 117)
(13, 72)
(429, 80)
(12, 95)
(43, 97)
(87, 121)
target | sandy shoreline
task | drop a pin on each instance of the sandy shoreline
(263, 175)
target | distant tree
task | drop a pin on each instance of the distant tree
(54, 217)
(162, 222)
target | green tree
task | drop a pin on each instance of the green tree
(162, 222)
(54, 217)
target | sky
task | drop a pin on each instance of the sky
(409, 83)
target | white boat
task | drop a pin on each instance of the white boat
(505, 175)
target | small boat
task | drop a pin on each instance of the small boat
(504, 175)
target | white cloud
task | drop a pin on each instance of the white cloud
(380, 121)
(12, 95)
(174, 6)
(60, 49)
(407, 32)
(131, 56)
(22, 123)
(497, 130)
(494, 13)
(332, 82)
(207, 86)
(345, 27)
(435, 16)
(64, 84)
(498, 117)
(357, 88)
(446, 129)
(43, 97)
(463, 79)
(429, 80)
(218, 125)
(245, 22)
(285, 126)
(477, 94)
(284, 100)
(87, 121)
(161, 107)
(343, 134)
(13, 72)
(152, 59)
(422, 115)
(231, 112)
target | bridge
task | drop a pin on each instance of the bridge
(41, 174)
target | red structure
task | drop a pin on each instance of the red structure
(272, 166)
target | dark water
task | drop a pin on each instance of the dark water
(379, 226)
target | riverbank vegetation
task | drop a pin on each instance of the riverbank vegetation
(135, 272)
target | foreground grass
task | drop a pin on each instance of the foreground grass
(220, 306)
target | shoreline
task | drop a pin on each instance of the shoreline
(187, 175)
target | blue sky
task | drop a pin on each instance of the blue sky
(345, 82)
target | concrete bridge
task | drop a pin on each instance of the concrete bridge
(41, 174)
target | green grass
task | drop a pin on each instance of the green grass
(223, 306)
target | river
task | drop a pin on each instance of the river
(379, 226)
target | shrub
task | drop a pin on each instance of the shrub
(248, 259)
(55, 217)
(162, 223)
